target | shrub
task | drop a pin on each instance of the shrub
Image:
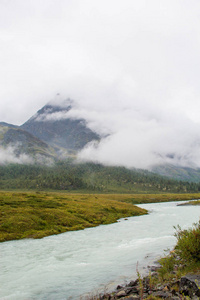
(167, 266)
(188, 243)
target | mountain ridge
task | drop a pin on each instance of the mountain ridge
(52, 125)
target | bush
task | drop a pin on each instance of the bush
(167, 266)
(188, 243)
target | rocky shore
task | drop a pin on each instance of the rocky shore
(187, 287)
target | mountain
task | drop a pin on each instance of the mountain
(52, 125)
(52, 134)
(8, 125)
(19, 142)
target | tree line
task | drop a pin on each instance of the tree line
(68, 175)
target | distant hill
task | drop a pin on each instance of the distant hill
(89, 177)
(178, 173)
(22, 142)
(52, 125)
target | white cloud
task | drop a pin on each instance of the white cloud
(8, 155)
(132, 67)
(142, 139)
(11, 154)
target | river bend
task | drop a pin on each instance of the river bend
(71, 264)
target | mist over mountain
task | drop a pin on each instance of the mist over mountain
(52, 125)
(48, 135)
(132, 67)
(19, 146)
(63, 129)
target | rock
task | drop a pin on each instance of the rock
(133, 283)
(154, 274)
(131, 290)
(120, 294)
(161, 294)
(105, 297)
(119, 287)
(175, 283)
(189, 285)
(154, 268)
(160, 287)
(132, 297)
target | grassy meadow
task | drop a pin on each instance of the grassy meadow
(39, 214)
(154, 198)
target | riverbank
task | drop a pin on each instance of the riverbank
(177, 275)
(152, 287)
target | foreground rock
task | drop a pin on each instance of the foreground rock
(188, 287)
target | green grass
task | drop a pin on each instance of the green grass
(39, 214)
(153, 198)
(197, 202)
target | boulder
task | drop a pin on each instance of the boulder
(132, 297)
(162, 294)
(190, 285)
(120, 294)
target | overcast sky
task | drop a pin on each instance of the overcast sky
(132, 67)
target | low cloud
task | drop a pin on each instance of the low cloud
(133, 133)
(140, 136)
(132, 67)
(8, 155)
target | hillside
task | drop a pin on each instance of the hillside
(178, 173)
(19, 142)
(89, 177)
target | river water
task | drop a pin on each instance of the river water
(71, 264)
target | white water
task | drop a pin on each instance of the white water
(67, 265)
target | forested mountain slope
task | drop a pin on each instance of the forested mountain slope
(88, 177)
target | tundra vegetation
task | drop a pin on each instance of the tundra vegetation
(35, 215)
(39, 214)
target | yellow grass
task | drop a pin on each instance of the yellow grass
(39, 214)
